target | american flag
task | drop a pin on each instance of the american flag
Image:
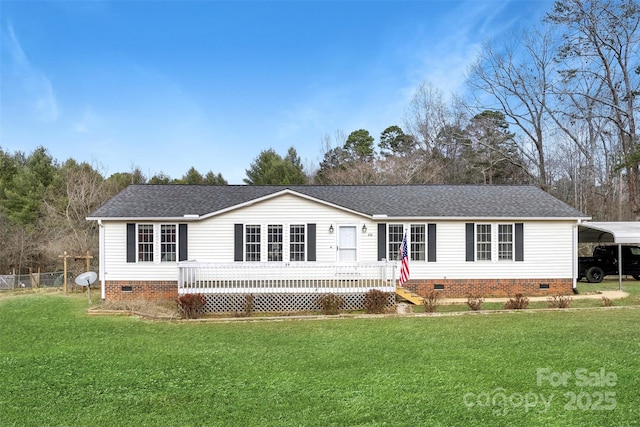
(404, 258)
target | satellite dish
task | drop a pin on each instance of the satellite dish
(86, 279)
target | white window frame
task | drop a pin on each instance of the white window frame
(253, 244)
(511, 244)
(275, 248)
(496, 245)
(262, 247)
(393, 246)
(412, 244)
(477, 242)
(163, 244)
(139, 244)
(303, 244)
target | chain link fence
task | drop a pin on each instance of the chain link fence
(11, 282)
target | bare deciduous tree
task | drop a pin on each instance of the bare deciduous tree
(512, 76)
(601, 45)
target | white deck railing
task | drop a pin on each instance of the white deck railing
(284, 277)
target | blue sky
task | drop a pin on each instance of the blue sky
(166, 85)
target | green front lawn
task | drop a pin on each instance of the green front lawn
(631, 287)
(59, 366)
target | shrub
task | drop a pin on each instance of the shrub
(330, 303)
(431, 302)
(247, 305)
(190, 305)
(606, 302)
(475, 302)
(376, 301)
(519, 302)
(559, 301)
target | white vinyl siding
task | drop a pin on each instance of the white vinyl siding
(287, 210)
(547, 243)
(116, 266)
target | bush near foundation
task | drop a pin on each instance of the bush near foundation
(248, 305)
(519, 302)
(330, 303)
(375, 301)
(431, 302)
(560, 301)
(190, 305)
(475, 302)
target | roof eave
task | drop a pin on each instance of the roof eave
(375, 218)
(482, 218)
(144, 218)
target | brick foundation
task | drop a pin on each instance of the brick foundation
(462, 288)
(124, 290)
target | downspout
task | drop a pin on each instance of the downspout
(575, 257)
(103, 289)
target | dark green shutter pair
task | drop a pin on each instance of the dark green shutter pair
(131, 242)
(470, 241)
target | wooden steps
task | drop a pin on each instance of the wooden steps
(408, 295)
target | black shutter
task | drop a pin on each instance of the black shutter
(182, 243)
(131, 242)
(238, 253)
(469, 232)
(519, 237)
(382, 241)
(311, 242)
(431, 243)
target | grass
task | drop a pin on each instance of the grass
(629, 286)
(59, 366)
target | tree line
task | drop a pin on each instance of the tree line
(554, 105)
(44, 203)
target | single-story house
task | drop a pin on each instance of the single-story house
(287, 245)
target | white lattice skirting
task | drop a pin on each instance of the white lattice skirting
(279, 303)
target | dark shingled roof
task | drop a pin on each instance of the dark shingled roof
(432, 201)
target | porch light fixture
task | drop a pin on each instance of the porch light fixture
(331, 228)
(364, 228)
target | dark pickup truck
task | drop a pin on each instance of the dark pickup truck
(605, 262)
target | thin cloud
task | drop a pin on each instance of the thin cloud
(87, 121)
(445, 61)
(37, 87)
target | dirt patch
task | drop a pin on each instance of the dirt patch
(22, 292)
(141, 307)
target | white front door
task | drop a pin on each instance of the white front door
(347, 243)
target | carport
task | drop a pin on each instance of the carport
(620, 233)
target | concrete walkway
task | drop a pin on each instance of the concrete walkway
(612, 295)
